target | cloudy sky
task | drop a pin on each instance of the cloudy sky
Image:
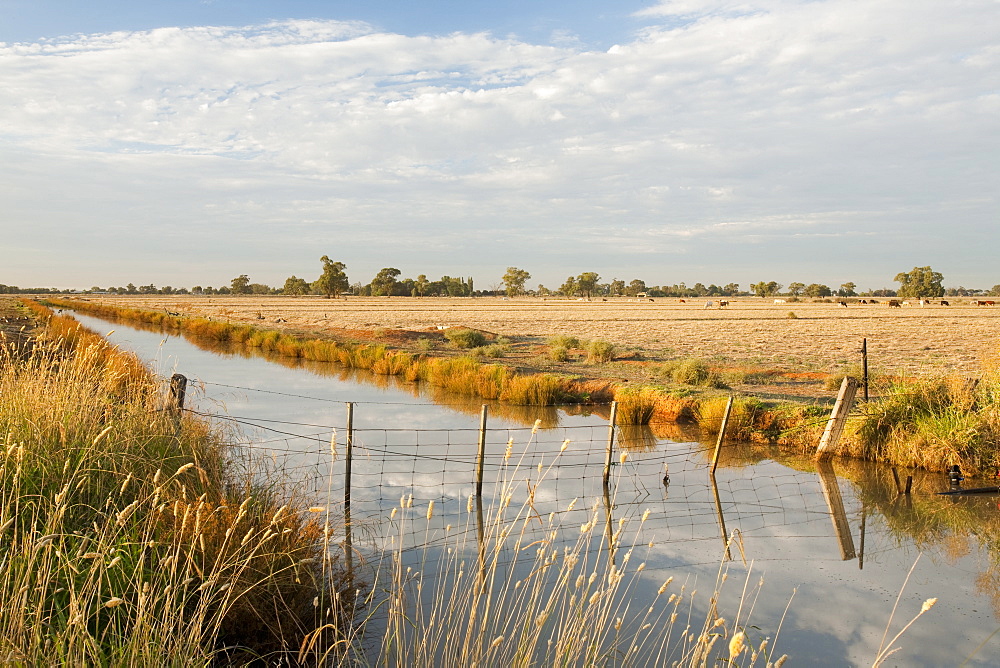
(190, 141)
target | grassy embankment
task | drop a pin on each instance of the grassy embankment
(128, 537)
(927, 422)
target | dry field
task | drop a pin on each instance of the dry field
(821, 338)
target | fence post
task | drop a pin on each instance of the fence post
(611, 442)
(482, 451)
(838, 417)
(348, 542)
(347, 464)
(178, 389)
(864, 365)
(722, 433)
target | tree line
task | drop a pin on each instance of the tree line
(920, 282)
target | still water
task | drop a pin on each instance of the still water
(833, 544)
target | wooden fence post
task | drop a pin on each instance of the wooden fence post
(482, 451)
(347, 464)
(864, 366)
(611, 442)
(178, 389)
(838, 417)
(722, 433)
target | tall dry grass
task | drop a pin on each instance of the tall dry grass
(129, 537)
(508, 589)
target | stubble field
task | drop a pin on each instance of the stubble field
(821, 337)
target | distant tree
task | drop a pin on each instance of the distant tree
(847, 290)
(240, 285)
(333, 280)
(543, 291)
(295, 286)
(995, 291)
(767, 289)
(131, 289)
(421, 285)
(635, 286)
(260, 289)
(817, 290)
(920, 282)
(569, 287)
(384, 282)
(196, 290)
(514, 280)
(617, 288)
(731, 289)
(795, 289)
(586, 283)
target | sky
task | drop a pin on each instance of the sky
(187, 142)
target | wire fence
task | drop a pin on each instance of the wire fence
(550, 472)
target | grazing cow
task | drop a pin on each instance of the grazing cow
(894, 303)
(779, 301)
(723, 303)
(944, 303)
(843, 303)
(709, 304)
(984, 302)
(681, 301)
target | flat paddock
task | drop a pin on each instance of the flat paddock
(750, 331)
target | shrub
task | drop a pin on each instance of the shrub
(462, 337)
(558, 354)
(791, 315)
(691, 371)
(563, 341)
(599, 352)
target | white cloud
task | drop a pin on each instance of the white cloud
(781, 115)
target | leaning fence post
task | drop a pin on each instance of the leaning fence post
(178, 388)
(611, 442)
(838, 417)
(482, 451)
(722, 433)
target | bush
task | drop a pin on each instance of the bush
(563, 341)
(600, 351)
(462, 337)
(691, 371)
(559, 354)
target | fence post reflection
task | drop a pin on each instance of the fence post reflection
(835, 503)
(720, 516)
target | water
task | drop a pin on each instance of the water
(837, 542)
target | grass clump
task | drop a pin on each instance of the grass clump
(931, 423)
(564, 341)
(558, 354)
(600, 352)
(462, 337)
(742, 418)
(691, 371)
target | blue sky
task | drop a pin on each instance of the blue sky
(708, 141)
